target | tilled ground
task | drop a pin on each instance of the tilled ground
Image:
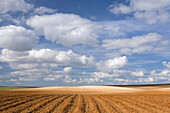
(85, 103)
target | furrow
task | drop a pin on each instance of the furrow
(63, 104)
(40, 105)
(150, 106)
(18, 103)
(70, 105)
(80, 105)
(111, 107)
(27, 105)
(13, 100)
(97, 105)
(53, 105)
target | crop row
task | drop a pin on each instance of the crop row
(84, 103)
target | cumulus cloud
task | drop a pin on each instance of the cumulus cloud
(23, 66)
(27, 66)
(161, 75)
(14, 5)
(138, 73)
(61, 57)
(103, 75)
(152, 11)
(43, 10)
(67, 29)
(67, 69)
(138, 44)
(90, 80)
(166, 64)
(121, 73)
(17, 38)
(21, 79)
(122, 80)
(147, 80)
(120, 9)
(68, 79)
(67, 58)
(109, 65)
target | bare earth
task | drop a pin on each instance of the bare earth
(87, 99)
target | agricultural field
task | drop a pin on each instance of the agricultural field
(7, 88)
(51, 101)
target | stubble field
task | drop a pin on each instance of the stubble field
(79, 100)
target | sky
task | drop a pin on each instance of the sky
(84, 42)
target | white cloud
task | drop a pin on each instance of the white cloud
(139, 44)
(12, 80)
(138, 73)
(109, 65)
(147, 80)
(103, 75)
(152, 11)
(17, 38)
(34, 73)
(67, 29)
(89, 80)
(53, 77)
(21, 79)
(48, 56)
(122, 80)
(43, 10)
(49, 79)
(166, 64)
(23, 66)
(116, 73)
(25, 79)
(68, 79)
(120, 9)
(162, 75)
(67, 69)
(165, 72)
(61, 57)
(14, 5)
(119, 28)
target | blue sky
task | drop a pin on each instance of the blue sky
(84, 42)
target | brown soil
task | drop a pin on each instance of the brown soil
(87, 99)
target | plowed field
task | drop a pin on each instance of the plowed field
(139, 102)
